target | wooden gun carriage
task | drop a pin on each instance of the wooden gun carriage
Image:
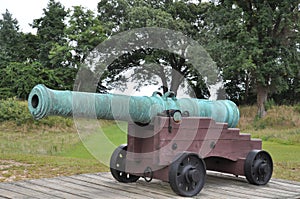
(174, 140)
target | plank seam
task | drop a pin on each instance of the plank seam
(34, 183)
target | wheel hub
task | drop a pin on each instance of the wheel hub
(187, 174)
(258, 167)
(194, 175)
(191, 174)
(263, 168)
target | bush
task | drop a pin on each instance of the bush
(278, 117)
(297, 108)
(13, 110)
(269, 104)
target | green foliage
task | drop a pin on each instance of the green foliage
(17, 79)
(83, 33)
(255, 44)
(297, 108)
(16, 111)
(272, 122)
(154, 66)
(12, 110)
(9, 39)
(269, 104)
(29, 47)
(50, 31)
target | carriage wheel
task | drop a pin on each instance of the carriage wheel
(118, 165)
(258, 167)
(187, 174)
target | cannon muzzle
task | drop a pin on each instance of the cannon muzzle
(43, 102)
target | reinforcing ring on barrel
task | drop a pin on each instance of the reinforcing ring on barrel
(148, 174)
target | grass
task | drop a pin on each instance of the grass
(281, 124)
(280, 133)
(48, 152)
(286, 159)
(108, 137)
(15, 167)
(52, 147)
(36, 140)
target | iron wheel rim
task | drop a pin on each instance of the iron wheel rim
(118, 166)
(258, 167)
(187, 175)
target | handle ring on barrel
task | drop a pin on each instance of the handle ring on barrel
(170, 94)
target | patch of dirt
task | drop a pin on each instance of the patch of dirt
(8, 173)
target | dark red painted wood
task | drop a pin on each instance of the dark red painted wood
(154, 147)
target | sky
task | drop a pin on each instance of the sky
(25, 11)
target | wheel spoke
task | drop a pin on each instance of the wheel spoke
(187, 174)
(258, 167)
(181, 178)
(118, 165)
(194, 162)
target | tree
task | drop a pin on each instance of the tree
(146, 62)
(17, 79)
(83, 33)
(54, 52)
(50, 31)
(9, 39)
(256, 44)
(29, 47)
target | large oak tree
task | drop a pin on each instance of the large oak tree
(256, 43)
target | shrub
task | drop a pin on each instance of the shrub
(269, 104)
(297, 108)
(13, 110)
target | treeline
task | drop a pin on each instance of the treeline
(52, 56)
(255, 44)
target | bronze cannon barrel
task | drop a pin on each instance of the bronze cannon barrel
(43, 102)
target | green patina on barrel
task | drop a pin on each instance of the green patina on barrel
(43, 102)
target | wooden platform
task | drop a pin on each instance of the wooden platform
(102, 185)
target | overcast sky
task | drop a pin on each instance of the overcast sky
(27, 10)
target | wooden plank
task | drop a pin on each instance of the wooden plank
(74, 188)
(132, 187)
(102, 185)
(296, 196)
(24, 191)
(270, 189)
(116, 189)
(155, 187)
(11, 194)
(273, 182)
(287, 181)
(228, 185)
(254, 192)
(71, 191)
(111, 191)
(244, 187)
(285, 184)
(55, 193)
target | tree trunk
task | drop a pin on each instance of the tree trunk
(262, 96)
(177, 79)
(163, 78)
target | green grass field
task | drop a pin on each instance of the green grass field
(286, 160)
(39, 150)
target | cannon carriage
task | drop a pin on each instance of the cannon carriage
(174, 140)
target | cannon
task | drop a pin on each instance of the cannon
(170, 139)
